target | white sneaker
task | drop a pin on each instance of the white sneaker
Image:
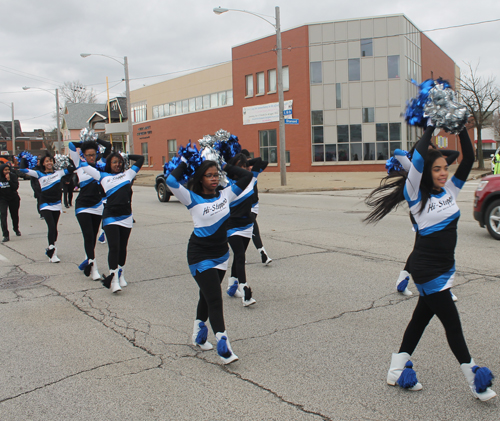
(246, 295)
(453, 296)
(112, 281)
(121, 277)
(51, 253)
(402, 283)
(224, 349)
(102, 237)
(233, 289)
(264, 257)
(200, 332)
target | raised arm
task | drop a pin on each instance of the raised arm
(450, 155)
(465, 166)
(107, 146)
(179, 191)
(22, 168)
(244, 178)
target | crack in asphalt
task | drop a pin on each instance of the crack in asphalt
(70, 376)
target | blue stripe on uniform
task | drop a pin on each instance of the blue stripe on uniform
(52, 185)
(436, 284)
(111, 219)
(78, 210)
(114, 189)
(459, 183)
(233, 230)
(439, 226)
(44, 205)
(207, 264)
(211, 229)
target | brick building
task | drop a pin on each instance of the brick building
(346, 82)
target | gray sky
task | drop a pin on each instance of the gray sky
(42, 40)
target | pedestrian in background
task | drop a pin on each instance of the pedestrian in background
(9, 201)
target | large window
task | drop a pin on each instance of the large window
(271, 80)
(354, 69)
(249, 85)
(268, 146)
(321, 152)
(172, 148)
(366, 47)
(261, 89)
(144, 150)
(138, 111)
(315, 72)
(286, 78)
(393, 67)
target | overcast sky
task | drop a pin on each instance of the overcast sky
(42, 40)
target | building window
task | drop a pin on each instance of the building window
(139, 112)
(222, 98)
(164, 160)
(199, 103)
(249, 85)
(185, 106)
(261, 89)
(206, 102)
(315, 71)
(366, 47)
(268, 146)
(369, 151)
(192, 105)
(382, 132)
(393, 67)
(354, 69)
(343, 134)
(368, 115)
(355, 133)
(229, 95)
(338, 92)
(286, 78)
(316, 118)
(172, 148)
(395, 131)
(144, 149)
(271, 80)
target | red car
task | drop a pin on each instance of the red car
(487, 204)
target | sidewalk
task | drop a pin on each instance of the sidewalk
(270, 182)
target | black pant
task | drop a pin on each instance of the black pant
(210, 302)
(89, 224)
(68, 193)
(11, 206)
(117, 237)
(51, 219)
(239, 246)
(257, 241)
(440, 304)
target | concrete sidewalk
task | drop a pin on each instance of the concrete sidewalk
(270, 182)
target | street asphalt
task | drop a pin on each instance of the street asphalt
(315, 346)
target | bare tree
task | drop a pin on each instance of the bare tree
(496, 124)
(482, 99)
(75, 92)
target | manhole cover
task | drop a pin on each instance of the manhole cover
(23, 281)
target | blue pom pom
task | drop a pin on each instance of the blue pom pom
(201, 338)
(229, 148)
(483, 378)
(408, 377)
(84, 264)
(392, 164)
(120, 272)
(30, 159)
(193, 158)
(101, 237)
(232, 289)
(222, 348)
(403, 284)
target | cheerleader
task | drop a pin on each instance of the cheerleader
(50, 197)
(432, 201)
(89, 203)
(117, 214)
(257, 240)
(240, 230)
(9, 201)
(208, 252)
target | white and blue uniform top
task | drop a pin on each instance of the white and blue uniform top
(207, 247)
(432, 260)
(117, 187)
(242, 216)
(50, 184)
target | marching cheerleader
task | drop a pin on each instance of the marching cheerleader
(9, 201)
(208, 252)
(240, 229)
(432, 201)
(89, 204)
(50, 197)
(404, 276)
(257, 240)
(117, 214)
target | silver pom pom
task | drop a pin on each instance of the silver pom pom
(222, 135)
(86, 134)
(61, 162)
(207, 141)
(444, 111)
(126, 165)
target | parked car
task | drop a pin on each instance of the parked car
(162, 190)
(487, 204)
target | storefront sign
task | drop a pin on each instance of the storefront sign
(265, 113)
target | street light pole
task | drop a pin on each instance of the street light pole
(281, 100)
(13, 137)
(58, 114)
(127, 90)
